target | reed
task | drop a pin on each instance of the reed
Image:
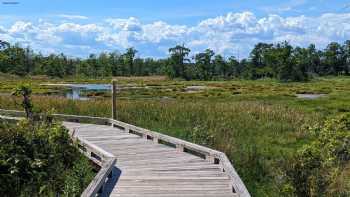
(258, 124)
(255, 135)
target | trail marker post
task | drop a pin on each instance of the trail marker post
(114, 99)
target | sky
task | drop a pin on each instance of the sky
(229, 27)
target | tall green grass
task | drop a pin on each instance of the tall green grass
(255, 135)
(258, 124)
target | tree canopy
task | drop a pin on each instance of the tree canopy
(280, 61)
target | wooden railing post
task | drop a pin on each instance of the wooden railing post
(114, 99)
(180, 148)
(210, 155)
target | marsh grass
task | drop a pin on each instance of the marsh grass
(258, 124)
(254, 135)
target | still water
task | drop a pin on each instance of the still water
(76, 90)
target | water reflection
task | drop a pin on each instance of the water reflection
(310, 96)
(75, 93)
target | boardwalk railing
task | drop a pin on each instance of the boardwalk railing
(213, 156)
(103, 159)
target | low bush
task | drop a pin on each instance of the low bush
(40, 160)
(322, 168)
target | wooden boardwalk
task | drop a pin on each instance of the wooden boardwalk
(146, 163)
(148, 169)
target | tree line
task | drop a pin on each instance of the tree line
(281, 61)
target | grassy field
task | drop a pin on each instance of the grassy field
(258, 124)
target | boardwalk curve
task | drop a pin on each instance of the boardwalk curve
(151, 164)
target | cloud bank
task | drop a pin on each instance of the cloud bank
(229, 34)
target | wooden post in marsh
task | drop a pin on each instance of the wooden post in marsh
(114, 99)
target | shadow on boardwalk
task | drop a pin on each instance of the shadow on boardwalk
(111, 183)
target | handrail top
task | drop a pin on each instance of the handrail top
(239, 186)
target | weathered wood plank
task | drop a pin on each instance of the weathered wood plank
(152, 169)
(195, 166)
(173, 195)
(99, 179)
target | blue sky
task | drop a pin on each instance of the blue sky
(78, 27)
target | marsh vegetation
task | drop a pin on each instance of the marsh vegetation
(37, 155)
(258, 110)
(41, 160)
(260, 125)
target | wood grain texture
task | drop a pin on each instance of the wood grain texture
(153, 164)
(148, 168)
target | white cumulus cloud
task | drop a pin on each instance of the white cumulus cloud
(130, 24)
(225, 34)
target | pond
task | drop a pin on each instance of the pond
(75, 91)
(310, 96)
(195, 89)
(91, 91)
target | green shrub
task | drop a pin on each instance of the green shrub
(78, 178)
(38, 160)
(322, 167)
